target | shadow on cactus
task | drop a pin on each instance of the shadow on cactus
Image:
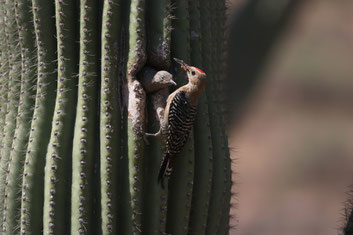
(82, 82)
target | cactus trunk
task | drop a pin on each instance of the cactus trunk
(74, 111)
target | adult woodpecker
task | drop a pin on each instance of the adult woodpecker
(179, 116)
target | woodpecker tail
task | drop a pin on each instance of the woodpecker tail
(165, 169)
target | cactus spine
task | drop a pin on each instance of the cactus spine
(14, 81)
(33, 173)
(85, 140)
(57, 168)
(110, 135)
(136, 109)
(4, 73)
(159, 26)
(220, 21)
(210, 57)
(24, 116)
(202, 138)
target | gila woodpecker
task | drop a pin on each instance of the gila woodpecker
(179, 116)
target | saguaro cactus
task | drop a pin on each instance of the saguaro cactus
(58, 161)
(13, 184)
(75, 105)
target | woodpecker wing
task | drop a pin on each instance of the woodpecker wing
(180, 120)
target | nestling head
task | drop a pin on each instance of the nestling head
(195, 75)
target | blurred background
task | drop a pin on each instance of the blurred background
(290, 109)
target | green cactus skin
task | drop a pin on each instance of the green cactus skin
(3, 74)
(137, 39)
(202, 138)
(33, 174)
(135, 153)
(229, 183)
(110, 117)
(163, 204)
(210, 59)
(155, 199)
(224, 226)
(14, 86)
(218, 25)
(125, 226)
(23, 121)
(159, 29)
(180, 191)
(136, 109)
(181, 180)
(58, 169)
(152, 211)
(85, 147)
(4, 86)
(124, 200)
(159, 18)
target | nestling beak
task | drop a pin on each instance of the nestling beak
(172, 83)
(183, 64)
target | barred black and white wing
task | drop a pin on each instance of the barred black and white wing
(180, 120)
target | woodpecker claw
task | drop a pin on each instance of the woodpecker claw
(155, 134)
(150, 134)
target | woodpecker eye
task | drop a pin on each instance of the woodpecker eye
(193, 73)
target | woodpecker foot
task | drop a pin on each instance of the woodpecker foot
(155, 134)
(150, 134)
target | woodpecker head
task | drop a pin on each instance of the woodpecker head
(195, 75)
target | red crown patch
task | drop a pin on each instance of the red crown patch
(199, 70)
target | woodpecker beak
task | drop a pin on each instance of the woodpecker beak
(183, 64)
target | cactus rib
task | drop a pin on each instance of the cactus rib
(4, 73)
(136, 109)
(210, 58)
(218, 55)
(85, 141)
(14, 85)
(33, 174)
(57, 169)
(181, 180)
(110, 117)
(24, 117)
(159, 17)
(155, 198)
(203, 144)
